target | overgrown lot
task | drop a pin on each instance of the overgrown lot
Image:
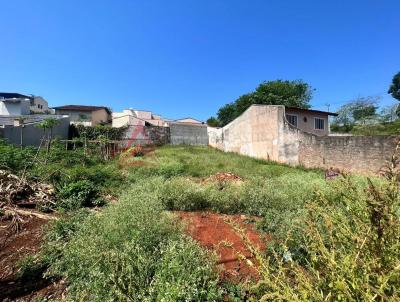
(329, 240)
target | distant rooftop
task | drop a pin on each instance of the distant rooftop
(12, 95)
(82, 108)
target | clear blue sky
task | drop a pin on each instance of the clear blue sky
(187, 58)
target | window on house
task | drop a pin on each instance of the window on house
(292, 119)
(319, 124)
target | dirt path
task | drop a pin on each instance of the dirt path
(14, 246)
(214, 232)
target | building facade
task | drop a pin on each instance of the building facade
(310, 121)
(85, 115)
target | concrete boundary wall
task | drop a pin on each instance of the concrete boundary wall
(175, 134)
(32, 135)
(263, 132)
(365, 154)
(188, 134)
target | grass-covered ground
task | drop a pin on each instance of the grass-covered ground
(329, 240)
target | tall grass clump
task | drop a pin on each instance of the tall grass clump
(350, 247)
(134, 251)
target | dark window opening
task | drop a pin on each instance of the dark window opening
(319, 124)
(292, 119)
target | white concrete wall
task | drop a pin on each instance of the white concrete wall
(15, 108)
(260, 132)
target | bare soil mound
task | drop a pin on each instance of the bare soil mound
(216, 232)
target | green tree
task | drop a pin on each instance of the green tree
(394, 88)
(213, 122)
(363, 109)
(227, 113)
(288, 93)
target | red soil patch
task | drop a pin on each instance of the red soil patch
(214, 232)
(13, 247)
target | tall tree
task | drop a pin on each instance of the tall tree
(394, 88)
(279, 92)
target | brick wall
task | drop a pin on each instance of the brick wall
(365, 154)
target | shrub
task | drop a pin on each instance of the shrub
(82, 193)
(15, 158)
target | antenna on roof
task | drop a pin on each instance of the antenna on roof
(328, 105)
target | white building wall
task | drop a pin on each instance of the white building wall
(15, 108)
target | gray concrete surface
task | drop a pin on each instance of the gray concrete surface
(188, 134)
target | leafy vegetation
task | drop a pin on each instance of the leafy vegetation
(394, 88)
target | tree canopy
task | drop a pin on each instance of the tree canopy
(288, 93)
(357, 111)
(394, 88)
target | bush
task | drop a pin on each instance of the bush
(82, 193)
(135, 251)
(15, 158)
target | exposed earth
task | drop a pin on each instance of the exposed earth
(14, 246)
(216, 232)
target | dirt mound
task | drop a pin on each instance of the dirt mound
(223, 177)
(216, 232)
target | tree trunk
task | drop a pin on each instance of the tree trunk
(22, 137)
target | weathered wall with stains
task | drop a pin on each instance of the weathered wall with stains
(254, 133)
(146, 135)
